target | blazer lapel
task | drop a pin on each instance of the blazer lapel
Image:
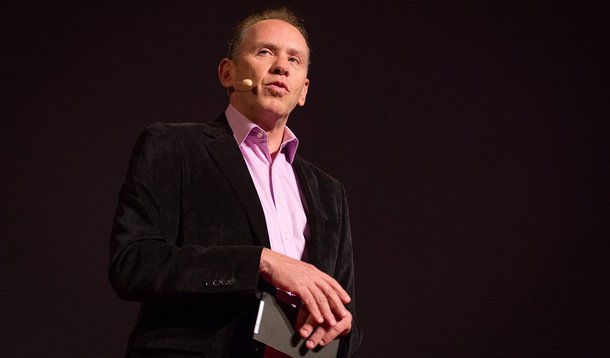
(315, 214)
(223, 149)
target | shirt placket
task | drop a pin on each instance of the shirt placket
(283, 223)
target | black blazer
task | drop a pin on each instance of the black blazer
(188, 235)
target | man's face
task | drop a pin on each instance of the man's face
(274, 55)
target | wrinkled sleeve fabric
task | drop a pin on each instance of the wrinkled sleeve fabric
(150, 259)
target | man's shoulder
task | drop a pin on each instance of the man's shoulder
(186, 130)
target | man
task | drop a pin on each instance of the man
(212, 214)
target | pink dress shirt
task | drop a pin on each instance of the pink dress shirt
(275, 182)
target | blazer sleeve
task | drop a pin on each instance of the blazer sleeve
(148, 262)
(344, 274)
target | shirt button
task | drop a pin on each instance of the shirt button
(285, 236)
(259, 134)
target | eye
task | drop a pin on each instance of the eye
(295, 60)
(264, 51)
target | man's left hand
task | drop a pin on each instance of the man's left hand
(323, 333)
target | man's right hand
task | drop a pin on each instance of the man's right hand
(322, 295)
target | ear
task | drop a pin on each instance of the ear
(225, 72)
(303, 95)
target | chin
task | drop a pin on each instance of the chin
(278, 110)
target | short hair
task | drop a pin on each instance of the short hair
(241, 30)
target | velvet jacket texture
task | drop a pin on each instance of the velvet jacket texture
(188, 235)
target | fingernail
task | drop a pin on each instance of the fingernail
(305, 332)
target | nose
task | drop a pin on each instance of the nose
(279, 71)
(280, 67)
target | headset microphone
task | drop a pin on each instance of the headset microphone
(245, 83)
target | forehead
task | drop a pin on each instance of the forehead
(278, 33)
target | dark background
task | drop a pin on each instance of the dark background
(471, 140)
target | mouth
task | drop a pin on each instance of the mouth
(277, 87)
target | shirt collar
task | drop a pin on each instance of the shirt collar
(242, 128)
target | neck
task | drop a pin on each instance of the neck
(275, 134)
(274, 126)
(272, 123)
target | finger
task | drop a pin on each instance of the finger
(308, 326)
(345, 298)
(312, 306)
(340, 329)
(330, 334)
(315, 338)
(324, 306)
(335, 302)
